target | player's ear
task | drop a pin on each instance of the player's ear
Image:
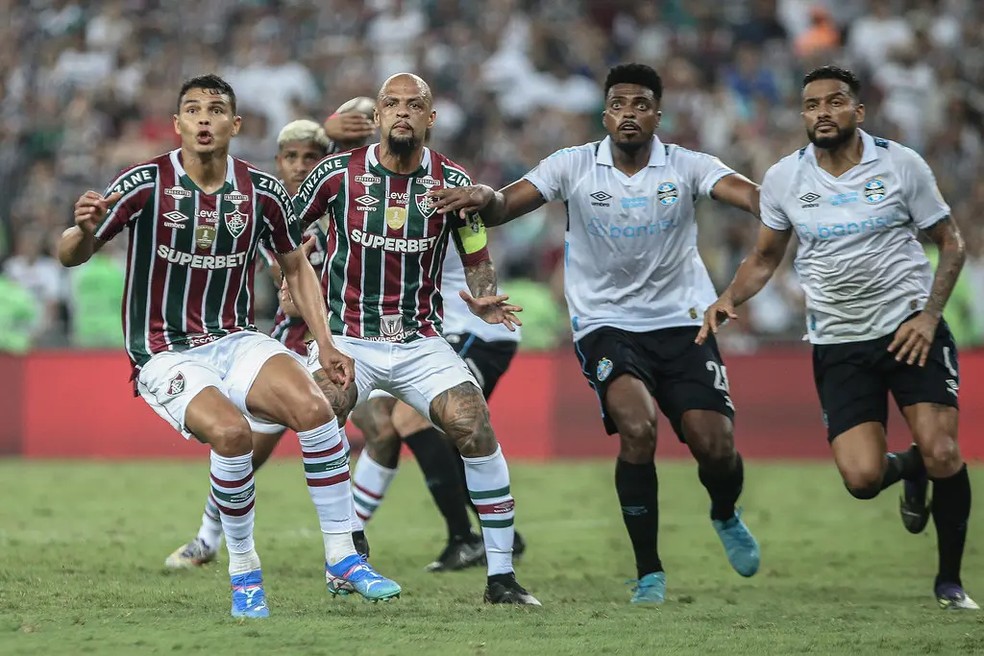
(177, 128)
(237, 123)
(433, 116)
(375, 117)
(659, 117)
(859, 113)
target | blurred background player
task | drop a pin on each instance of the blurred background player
(636, 288)
(387, 245)
(196, 215)
(874, 308)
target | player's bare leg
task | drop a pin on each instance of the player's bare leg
(377, 465)
(710, 438)
(633, 411)
(461, 412)
(214, 419)
(934, 429)
(284, 392)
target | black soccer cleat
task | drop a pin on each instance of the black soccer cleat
(460, 553)
(361, 543)
(505, 589)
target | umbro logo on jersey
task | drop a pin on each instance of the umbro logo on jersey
(174, 219)
(366, 202)
(601, 199)
(810, 199)
(177, 192)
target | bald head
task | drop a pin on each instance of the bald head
(406, 84)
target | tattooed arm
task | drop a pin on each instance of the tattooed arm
(481, 279)
(914, 338)
(483, 300)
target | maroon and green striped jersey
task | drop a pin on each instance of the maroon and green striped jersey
(189, 271)
(386, 242)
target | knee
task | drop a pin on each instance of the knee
(942, 457)
(637, 439)
(472, 433)
(713, 448)
(863, 484)
(310, 412)
(232, 439)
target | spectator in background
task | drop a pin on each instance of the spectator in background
(822, 38)
(19, 317)
(35, 271)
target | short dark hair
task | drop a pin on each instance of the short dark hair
(835, 73)
(210, 81)
(644, 76)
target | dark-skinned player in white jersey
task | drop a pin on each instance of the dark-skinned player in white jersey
(874, 306)
(196, 217)
(636, 289)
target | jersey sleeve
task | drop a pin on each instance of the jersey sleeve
(552, 175)
(923, 197)
(469, 235)
(284, 230)
(705, 172)
(319, 189)
(770, 208)
(137, 186)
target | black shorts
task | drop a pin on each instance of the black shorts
(487, 360)
(853, 379)
(680, 374)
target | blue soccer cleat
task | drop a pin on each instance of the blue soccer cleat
(248, 598)
(650, 589)
(739, 544)
(354, 574)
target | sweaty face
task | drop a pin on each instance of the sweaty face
(403, 114)
(205, 121)
(295, 160)
(830, 113)
(631, 115)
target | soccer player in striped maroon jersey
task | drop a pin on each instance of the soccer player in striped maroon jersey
(386, 247)
(196, 216)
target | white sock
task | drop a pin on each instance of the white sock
(487, 478)
(370, 482)
(210, 532)
(357, 524)
(234, 495)
(327, 472)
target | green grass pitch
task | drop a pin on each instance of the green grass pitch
(82, 547)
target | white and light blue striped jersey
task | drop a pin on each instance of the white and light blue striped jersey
(859, 261)
(458, 319)
(630, 257)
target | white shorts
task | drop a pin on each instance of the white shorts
(171, 379)
(415, 373)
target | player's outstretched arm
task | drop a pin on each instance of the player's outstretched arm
(738, 191)
(483, 301)
(914, 338)
(305, 292)
(754, 271)
(79, 243)
(495, 207)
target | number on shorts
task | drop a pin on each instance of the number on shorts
(720, 376)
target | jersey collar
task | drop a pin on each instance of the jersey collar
(180, 173)
(869, 152)
(657, 157)
(422, 170)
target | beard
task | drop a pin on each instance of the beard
(842, 136)
(402, 146)
(631, 147)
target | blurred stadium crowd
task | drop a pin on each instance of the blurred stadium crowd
(87, 88)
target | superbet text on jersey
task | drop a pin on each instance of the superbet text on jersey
(386, 243)
(189, 271)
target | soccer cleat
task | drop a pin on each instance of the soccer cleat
(193, 554)
(354, 574)
(951, 596)
(739, 544)
(650, 589)
(460, 553)
(248, 598)
(505, 589)
(361, 543)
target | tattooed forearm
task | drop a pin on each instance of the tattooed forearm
(947, 237)
(481, 279)
(341, 401)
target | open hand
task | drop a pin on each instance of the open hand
(914, 338)
(493, 309)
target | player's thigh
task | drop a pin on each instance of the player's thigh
(374, 417)
(424, 369)
(850, 385)
(620, 373)
(488, 361)
(407, 421)
(264, 442)
(692, 390)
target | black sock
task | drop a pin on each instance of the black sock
(443, 471)
(903, 465)
(637, 490)
(723, 484)
(951, 508)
